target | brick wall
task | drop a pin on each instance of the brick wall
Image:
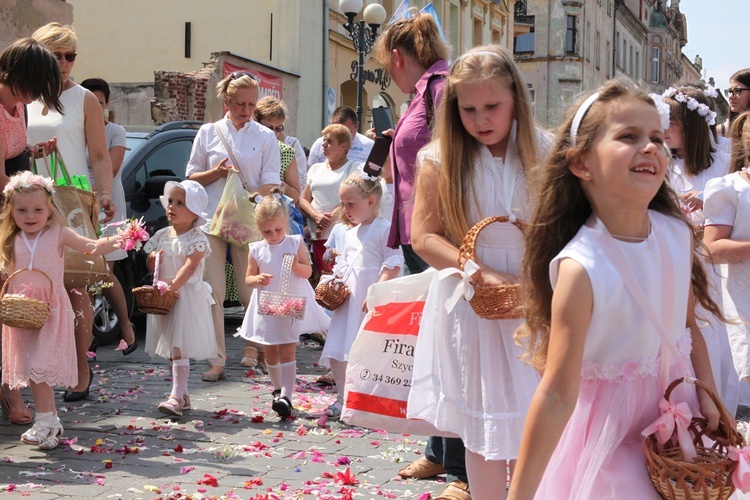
(180, 96)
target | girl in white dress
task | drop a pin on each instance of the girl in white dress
(727, 210)
(365, 260)
(697, 159)
(279, 334)
(468, 378)
(611, 279)
(187, 331)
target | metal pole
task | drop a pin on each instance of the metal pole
(360, 71)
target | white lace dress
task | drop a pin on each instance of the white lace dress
(188, 326)
(468, 378)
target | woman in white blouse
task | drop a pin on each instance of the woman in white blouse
(256, 151)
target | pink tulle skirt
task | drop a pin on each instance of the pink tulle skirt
(600, 453)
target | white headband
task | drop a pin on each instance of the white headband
(578, 118)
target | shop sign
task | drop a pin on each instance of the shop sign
(379, 76)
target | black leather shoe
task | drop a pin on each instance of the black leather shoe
(130, 349)
(73, 396)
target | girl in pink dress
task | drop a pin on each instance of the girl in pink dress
(611, 279)
(33, 239)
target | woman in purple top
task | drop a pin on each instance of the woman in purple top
(416, 57)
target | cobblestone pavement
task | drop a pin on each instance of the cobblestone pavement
(230, 445)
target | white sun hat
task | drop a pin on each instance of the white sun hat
(196, 198)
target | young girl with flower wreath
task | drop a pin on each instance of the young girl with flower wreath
(697, 159)
(727, 236)
(33, 237)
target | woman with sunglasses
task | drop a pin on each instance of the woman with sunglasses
(738, 95)
(256, 151)
(271, 113)
(80, 127)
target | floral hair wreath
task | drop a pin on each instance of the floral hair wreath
(26, 180)
(693, 104)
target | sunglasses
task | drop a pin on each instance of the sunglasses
(240, 74)
(737, 91)
(278, 129)
(69, 56)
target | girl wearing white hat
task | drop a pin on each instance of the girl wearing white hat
(187, 331)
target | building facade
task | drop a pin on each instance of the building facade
(130, 44)
(567, 47)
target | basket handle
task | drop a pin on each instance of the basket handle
(468, 250)
(286, 272)
(734, 438)
(5, 285)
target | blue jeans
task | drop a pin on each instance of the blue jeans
(451, 453)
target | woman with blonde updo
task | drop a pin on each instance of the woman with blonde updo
(256, 151)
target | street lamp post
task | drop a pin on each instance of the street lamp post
(363, 34)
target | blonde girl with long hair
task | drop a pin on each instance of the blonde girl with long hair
(468, 379)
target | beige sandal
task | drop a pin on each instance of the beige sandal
(421, 469)
(456, 490)
(186, 402)
(249, 357)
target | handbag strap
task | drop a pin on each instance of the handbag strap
(52, 170)
(231, 155)
(617, 258)
(365, 238)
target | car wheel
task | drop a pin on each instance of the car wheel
(106, 323)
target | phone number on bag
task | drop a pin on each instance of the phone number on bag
(385, 379)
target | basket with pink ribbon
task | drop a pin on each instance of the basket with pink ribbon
(283, 303)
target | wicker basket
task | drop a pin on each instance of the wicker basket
(490, 302)
(151, 301)
(709, 475)
(282, 303)
(331, 293)
(24, 312)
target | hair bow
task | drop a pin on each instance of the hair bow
(465, 286)
(257, 198)
(674, 416)
(741, 476)
(368, 177)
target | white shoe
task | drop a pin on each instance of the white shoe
(45, 433)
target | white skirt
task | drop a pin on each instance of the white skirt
(468, 376)
(188, 327)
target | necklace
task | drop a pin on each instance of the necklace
(629, 238)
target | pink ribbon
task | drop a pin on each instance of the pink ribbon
(741, 476)
(674, 416)
(161, 286)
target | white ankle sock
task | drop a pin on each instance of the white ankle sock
(274, 372)
(288, 378)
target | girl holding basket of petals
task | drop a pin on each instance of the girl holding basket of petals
(277, 325)
(32, 238)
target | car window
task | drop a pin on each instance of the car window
(170, 159)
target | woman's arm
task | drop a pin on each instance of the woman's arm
(96, 142)
(102, 246)
(723, 249)
(220, 171)
(186, 271)
(291, 179)
(116, 155)
(305, 204)
(555, 398)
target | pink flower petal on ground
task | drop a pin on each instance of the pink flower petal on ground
(121, 346)
(322, 421)
(90, 354)
(424, 496)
